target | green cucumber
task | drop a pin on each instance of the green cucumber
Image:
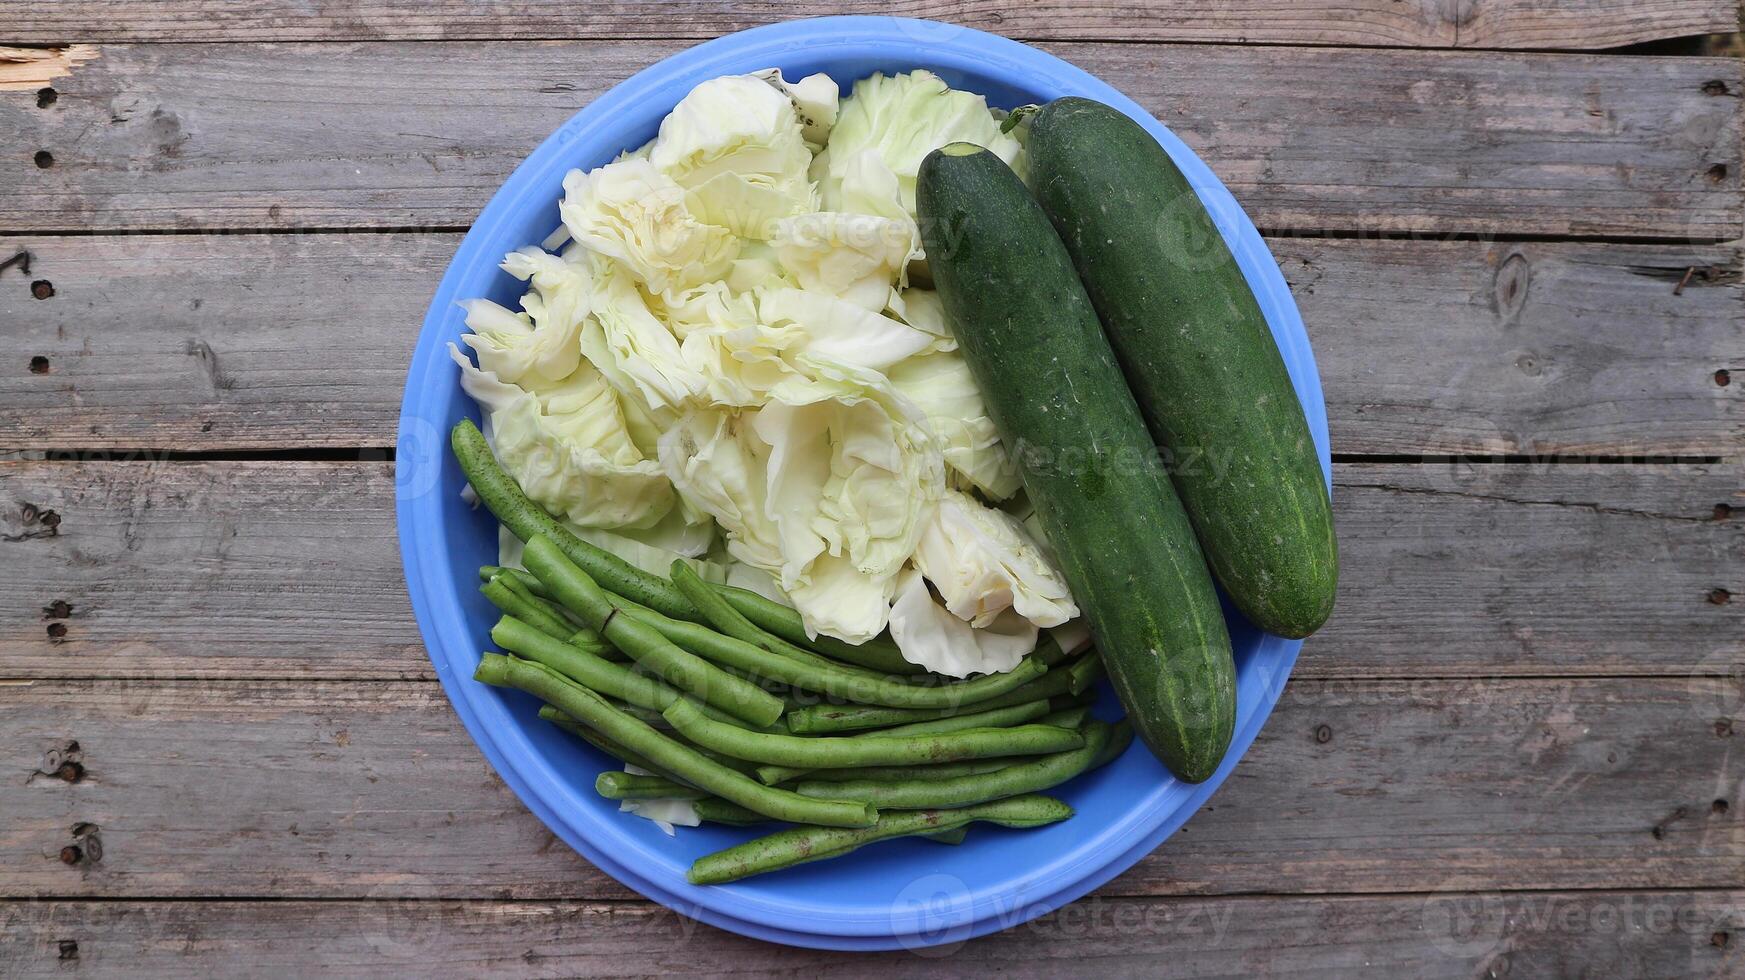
(1054, 390)
(1198, 356)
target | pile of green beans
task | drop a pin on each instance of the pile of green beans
(717, 697)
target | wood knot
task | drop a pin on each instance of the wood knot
(1323, 734)
(1510, 285)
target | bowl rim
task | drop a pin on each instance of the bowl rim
(424, 540)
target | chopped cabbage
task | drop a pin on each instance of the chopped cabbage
(639, 346)
(983, 562)
(538, 346)
(922, 309)
(736, 144)
(717, 463)
(814, 98)
(929, 635)
(854, 257)
(567, 447)
(841, 332)
(883, 130)
(715, 369)
(641, 218)
(941, 386)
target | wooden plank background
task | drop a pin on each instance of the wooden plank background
(345, 789)
(1512, 752)
(398, 135)
(1450, 570)
(1645, 935)
(1428, 23)
(1424, 347)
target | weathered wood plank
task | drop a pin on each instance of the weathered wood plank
(271, 341)
(1429, 23)
(287, 136)
(1454, 935)
(331, 789)
(1531, 24)
(233, 569)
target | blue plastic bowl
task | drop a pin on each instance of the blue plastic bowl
(905, 893)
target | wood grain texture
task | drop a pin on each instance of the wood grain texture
(280, 569)
(1428, 23)
(239, 789)
(274, 341)
(1454, 935)
(405, 135)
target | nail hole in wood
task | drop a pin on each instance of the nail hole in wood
(46, 97)
(39, 365)
(1723, 377)
(1714, 86)
(57, 632)
(69, 949)
(44, 159)
(71, 854)
(1723, 511)
(1720, 597)
(42, 289)
(1719, 806)
(1718, 172)
(1723, 727)
(58, 609)
(1323, 734)
(1720, 940)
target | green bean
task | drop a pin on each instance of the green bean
(598, 741)
(718, 613)
(511, 603)
(614, 785)
(683, 670)
(713, 809)
(1071, 717)
(967, 790)
(877, 654)
(1015, 714)
(526, 519)
(842, 753)
(1120, 736)
(820, 719)
(799, 845)
(667, 755)
(851, 683)
(518, 586)
(582, 666)
(943, 770)
(700, 639)
(954, 836)
(1086, 671)
(527, 579)
(779, 621)
(569, 724)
